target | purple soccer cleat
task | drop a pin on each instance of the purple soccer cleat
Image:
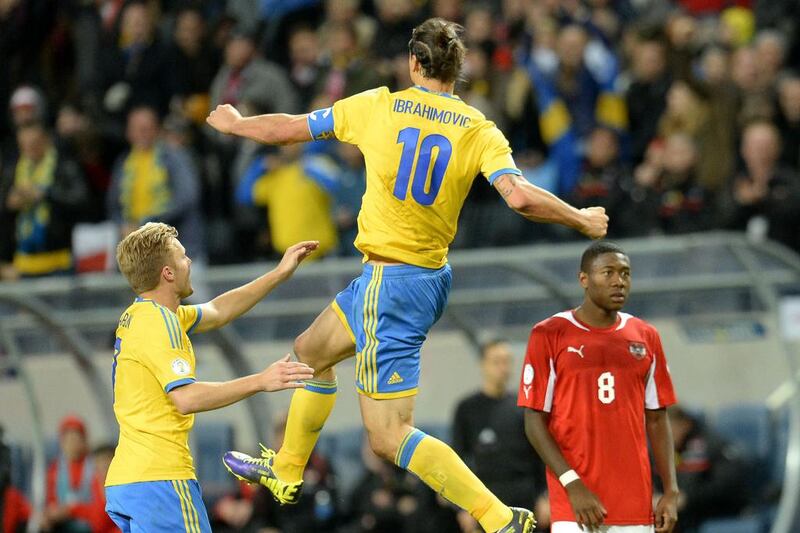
(259, 470)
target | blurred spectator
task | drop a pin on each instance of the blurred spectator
(156, 181)
(42, 196)
(27, 104)
(602, 175)
(770, 47)
(688, 113)
(755, 100)
(24, 28)
(347, 11)
(70, 481)
(79, 136)
(573, 96)
(395, 20)
(666, 196)
(348, 184)
(788, 118)
(723, 102)
(347, 69)
(764, 198)
(192, 65)
(15, 511)
(782, 15)
(258, 85)
(483, 88)
(711, 474)
(488, 434)
(134, 67)
(646, 97)
(281, 183)
(254, 508)
(304, 63)
(388, 499)
(244, 76)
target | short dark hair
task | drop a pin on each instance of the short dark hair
(596, 249)
(491, 343)
(437, 45)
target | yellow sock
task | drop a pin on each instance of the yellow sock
(439, 467)
(308, 412)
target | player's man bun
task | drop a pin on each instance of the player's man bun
(437, 45)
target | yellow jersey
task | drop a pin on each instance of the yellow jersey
(281, 190)
(152, 356)
(422, 151)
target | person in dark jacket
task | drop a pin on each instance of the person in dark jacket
(711, 474)
(42, 195)
(763, 199)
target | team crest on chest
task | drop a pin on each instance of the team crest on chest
(637, 349)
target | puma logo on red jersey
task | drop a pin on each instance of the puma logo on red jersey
(578, 351)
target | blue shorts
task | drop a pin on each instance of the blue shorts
(156, 506)
(388, 312)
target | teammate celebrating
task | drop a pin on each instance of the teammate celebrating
(423, 147)
(151, 484)
(594, 378)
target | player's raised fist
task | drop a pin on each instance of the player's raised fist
(223, 118)
(595, 222)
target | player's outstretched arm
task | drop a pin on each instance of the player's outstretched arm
(659, 432)
(589, 510)
(539, 205)
(230, 305)
(207, 396)
(275, 128)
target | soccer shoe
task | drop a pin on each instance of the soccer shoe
(522, 521)
(259, 470)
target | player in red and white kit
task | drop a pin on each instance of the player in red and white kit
(596, 386)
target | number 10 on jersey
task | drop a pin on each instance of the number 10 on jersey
(409, 138)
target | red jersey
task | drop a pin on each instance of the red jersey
(596, 384)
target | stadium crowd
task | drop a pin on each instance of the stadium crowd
(677, 116)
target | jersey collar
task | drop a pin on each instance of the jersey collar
(445, 95)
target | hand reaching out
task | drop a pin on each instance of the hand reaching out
(285, 374)
(294, 255)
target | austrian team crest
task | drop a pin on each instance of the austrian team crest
(637, 349)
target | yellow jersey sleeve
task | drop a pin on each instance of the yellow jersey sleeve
(162, 346)
(348, 119)
(496, 160)
(189, 317)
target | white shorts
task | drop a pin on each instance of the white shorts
(573, 527)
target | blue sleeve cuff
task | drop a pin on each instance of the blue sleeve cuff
(244, 192)
(320, 123)
(196, 320)
(179, 383)
(496, 174)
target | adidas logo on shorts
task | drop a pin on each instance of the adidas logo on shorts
(395, 379)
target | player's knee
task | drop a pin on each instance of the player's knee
(382, 445)
(302, 351)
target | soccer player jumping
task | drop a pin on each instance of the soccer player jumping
(596, 386)
(423, 147)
